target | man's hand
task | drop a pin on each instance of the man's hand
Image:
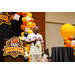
(42, 53)
(35, 40)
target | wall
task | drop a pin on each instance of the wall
(53, 23)
(60, 17)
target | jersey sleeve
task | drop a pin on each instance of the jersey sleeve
(42, 39)
(28, 38)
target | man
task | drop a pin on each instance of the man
(36, 44)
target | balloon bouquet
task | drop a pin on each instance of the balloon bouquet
(67, 31)
(27, 27)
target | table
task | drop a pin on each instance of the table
(62, 54)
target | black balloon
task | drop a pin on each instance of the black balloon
(25, 34)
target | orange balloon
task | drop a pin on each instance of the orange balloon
(19, 13)
(64, 45)
(29, 24)
(32, 20)
(65, 39)
(22, 27)
(24, 14)
(24, 23)
(68, 43)
(30, 31)
(70, 38)
(31, 28)
(72, 46)
(12, 17)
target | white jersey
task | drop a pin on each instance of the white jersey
(35, 48)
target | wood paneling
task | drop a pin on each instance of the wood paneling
(38, 15)
(40, 23)
(39, 19)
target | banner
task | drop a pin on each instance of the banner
(5, 18)
(14, 47)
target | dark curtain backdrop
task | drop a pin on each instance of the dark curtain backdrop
(8, 31)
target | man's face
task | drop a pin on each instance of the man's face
(36, 30)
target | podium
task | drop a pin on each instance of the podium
(9, 58)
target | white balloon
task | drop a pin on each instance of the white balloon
(28, 19)
(27, 16)
(73, 42)
(26, 29)
(16, 17)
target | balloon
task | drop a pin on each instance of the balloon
(22, 34)
(28, 19)
(65, 39)
(22, 27)
(30, 31)
(25, 34)
(20, 37)
(29, 24)
(70, 38)
(31, 28)
(29, 14)
(67, 30)
(73, 42)
(29, 60)
(71, 46)
(64, 45)
(26, 29)
(68, 43)
(29, 57)
(27, 49)
(19, 13)
(24, 19)
(28, 45)
(16, 17)
(24, 23)
(24, 14)
(12, 17)
(32, 20)
(34, 24)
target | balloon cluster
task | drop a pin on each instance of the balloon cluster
(67, 41)
(27, 22)
(67, 31)
(27, 26)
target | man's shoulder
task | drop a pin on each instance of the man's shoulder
(39, 34)
(30, 34)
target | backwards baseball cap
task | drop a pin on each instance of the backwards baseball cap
(34, 27)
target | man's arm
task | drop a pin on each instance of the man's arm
(42, 45)
(29, 42)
